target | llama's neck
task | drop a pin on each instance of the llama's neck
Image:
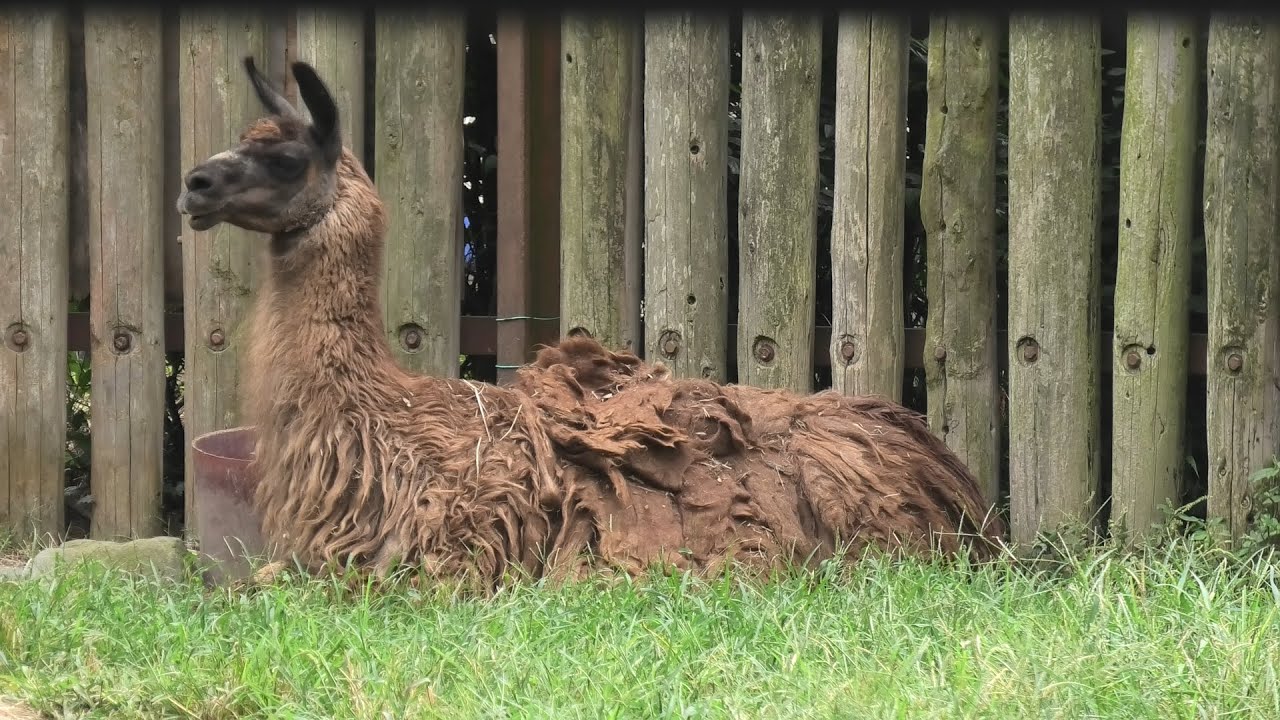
(318, 335)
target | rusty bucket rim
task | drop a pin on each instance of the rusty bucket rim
(205, 437)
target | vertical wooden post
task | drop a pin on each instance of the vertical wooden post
(332, 41)
(1241, 215)
(418, 129)
(957, 207)
(868, 342)
(217, 102)
(528, 186)
(686, 145)
(1055, 77)
(778, 201)
(599, 66)
(1153, 278)
(34, 140)
(126, 226)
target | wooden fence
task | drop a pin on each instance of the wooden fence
(613, 141)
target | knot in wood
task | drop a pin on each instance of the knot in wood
(1235, 362)
(1132, 359)
(412, 338)
(217, 339)
(20, 338)
(121, 342)
(939, 353)
(847, 350)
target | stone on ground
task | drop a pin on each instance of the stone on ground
(167, 557)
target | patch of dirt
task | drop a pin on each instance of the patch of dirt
(13, 710)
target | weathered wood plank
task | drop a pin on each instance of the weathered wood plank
(1153, 278)
(1054, 270)
(34, 142)
(957, 207)
(126, 226)
(868, 341)
(599, 294)
(778, 199)
(1241, 215)
(220, 265)
(418, 111)
(686, 126)
(332, 41)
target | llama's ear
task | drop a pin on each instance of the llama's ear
(275, 103)
(324, 111)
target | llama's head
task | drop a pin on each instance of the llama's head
(280, 177)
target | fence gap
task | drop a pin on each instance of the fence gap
(528, 49)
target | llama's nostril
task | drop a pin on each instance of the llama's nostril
(198, 181)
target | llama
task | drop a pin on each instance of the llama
(590, 461)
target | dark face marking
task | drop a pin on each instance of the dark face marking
(280, 176)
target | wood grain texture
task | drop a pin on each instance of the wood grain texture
(868, 344)
(34, 142)
(419, 142)
(1055, 349)
(957, 207)
(778, 199)
(600, 292)
(686, 126)
(1153, 277)
(126, 227)
(1241, 215)
(221, 265)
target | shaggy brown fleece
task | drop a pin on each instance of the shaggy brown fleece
(591, 459)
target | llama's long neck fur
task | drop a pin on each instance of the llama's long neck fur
(317, 336)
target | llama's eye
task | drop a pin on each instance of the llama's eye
(286, 166)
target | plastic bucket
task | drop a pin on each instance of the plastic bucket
(228, 529)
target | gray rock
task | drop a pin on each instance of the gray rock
(166, 557)
(12, 572)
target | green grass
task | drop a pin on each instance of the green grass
(1173, 633)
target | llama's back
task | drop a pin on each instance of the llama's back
(696, 467)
